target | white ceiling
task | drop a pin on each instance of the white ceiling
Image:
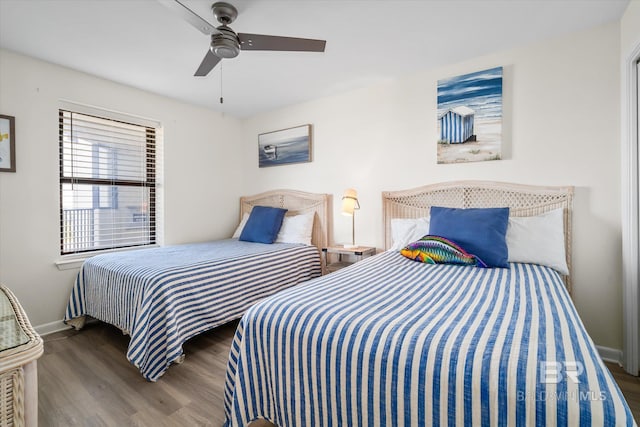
(143, 44)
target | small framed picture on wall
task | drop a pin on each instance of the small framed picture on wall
(7, 143)
(285, 146)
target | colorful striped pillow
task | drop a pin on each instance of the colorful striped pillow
(438, 250)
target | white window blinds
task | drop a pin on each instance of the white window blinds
(107, 183)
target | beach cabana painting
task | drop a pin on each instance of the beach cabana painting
(292, 145)
(470, 117)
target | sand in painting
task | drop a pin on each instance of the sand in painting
(487, 146)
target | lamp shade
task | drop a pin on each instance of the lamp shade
(349, 201)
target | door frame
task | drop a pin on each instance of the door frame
(630, 213)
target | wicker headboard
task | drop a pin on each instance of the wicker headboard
(522, 200)
(297, 202)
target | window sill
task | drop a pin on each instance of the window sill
(71, 262)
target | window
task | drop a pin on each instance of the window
(107, 183)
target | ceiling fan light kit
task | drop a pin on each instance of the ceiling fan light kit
(225, 43)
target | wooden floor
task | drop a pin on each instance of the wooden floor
(630, 387)
(85, 380)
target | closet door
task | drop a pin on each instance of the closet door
(632, 365)
(631, 216)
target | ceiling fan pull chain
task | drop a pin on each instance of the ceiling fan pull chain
(221, 98)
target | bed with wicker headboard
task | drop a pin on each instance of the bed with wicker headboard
(522, 200)
(392, 341)
(164, 296)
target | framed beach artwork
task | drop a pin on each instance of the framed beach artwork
(470, 117)
(7, 144)
(281, 147)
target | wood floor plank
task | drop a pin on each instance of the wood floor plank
(85, 379)
(630, 387)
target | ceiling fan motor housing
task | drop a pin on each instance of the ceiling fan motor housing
(225, 13)
(225, 44)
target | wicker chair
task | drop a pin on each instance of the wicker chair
(20, 346)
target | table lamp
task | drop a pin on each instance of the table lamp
(349, 206)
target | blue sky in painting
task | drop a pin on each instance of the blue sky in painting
(480, 91)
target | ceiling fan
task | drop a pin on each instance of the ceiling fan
(226, 43)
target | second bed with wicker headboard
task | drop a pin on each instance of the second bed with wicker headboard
(164, 296)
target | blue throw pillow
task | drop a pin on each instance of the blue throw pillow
(481, 232)
(263, 224)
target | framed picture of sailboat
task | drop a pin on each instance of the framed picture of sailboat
(285, 146)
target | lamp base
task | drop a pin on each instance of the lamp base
(347, 246)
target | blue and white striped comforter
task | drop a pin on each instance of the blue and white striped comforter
(390, 341)
(164, 296)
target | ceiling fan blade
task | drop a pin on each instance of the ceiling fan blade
(207, 64)
(263, 42)
(190, 16)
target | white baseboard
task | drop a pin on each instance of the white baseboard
(49, 328)
(610, 354)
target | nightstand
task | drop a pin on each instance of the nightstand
(346, 256)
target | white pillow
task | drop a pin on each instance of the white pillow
(407, 230)
(243, 221)
(296, 229)
(538, 240)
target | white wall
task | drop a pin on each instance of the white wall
(630, 28)
(561, 127)
(200, 178)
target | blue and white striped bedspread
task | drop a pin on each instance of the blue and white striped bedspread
(392, 342)
(164, 296)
